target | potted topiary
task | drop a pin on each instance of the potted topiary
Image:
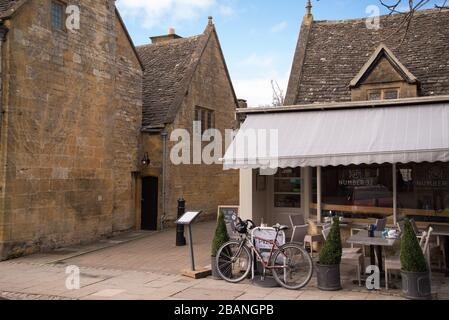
(416, 282)
(328, 267)
(220, 238)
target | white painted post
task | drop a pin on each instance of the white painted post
(395, 195)
(319, 201)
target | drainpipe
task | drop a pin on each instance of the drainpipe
(164, 170)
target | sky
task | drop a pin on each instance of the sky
(258, 37)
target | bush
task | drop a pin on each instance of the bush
(332, 250)
(221, 235)
(412, 257)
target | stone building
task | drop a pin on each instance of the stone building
(364, 132)
(70, 124)
(185, 80)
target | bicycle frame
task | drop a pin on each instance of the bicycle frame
(274, 247)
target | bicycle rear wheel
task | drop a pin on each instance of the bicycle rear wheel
(293, 266)
(233, 261)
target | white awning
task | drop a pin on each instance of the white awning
(402, 134)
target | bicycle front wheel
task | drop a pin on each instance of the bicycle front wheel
(233, 261)
(292, 266)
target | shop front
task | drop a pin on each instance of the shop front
(361, 162)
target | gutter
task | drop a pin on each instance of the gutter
(347, 105)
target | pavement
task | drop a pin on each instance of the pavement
(147, 266)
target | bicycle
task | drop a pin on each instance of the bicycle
(290, 264)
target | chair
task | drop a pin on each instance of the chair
(350, 256)
(394, 263)
(299, 227)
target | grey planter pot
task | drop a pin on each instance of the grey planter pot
(328, 277)
(416, 285)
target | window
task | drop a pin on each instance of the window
(391, 94)
(287, 188)
(383, 94)
(366, 191)
(57, 15)
(206, 117)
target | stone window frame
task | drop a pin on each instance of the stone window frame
(382, 92)
(208, 114)
(62, 27)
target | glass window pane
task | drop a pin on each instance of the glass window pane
(375, 95)
(57, 15)
(423, 191)
(287, 188)
(209, 120)
(287, 201)
(391, 94)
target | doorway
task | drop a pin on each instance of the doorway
(150, 196)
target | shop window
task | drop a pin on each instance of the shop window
(366, 191)
(287, 188)
(423, 191)
(57, 15)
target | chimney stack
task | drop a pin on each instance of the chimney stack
(165, 38)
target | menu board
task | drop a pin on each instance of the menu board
(188, 217)
(231, 214)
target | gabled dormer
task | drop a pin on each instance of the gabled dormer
(383, 77)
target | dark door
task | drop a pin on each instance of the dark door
(149, 203)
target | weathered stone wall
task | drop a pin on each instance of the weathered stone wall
(205, 187)
(70, 131)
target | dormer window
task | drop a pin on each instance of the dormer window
(383, 94)
(383, 77)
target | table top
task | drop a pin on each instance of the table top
(440, 230)
(362, 238)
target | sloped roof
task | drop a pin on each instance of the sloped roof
(383, 51)
(331, 53)
(8, 7)
(169, 69)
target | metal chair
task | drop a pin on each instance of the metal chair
(394, 263)
(350, 256)
(299, 227)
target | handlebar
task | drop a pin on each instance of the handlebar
(248, 223)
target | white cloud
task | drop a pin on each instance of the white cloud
(226, 11)
(163, 12)
(256, 60)
(281, 26)
(258, 91)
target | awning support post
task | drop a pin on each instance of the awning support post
(318, 185)
(395, 195)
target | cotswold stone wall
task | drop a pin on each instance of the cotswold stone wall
(70, 130)
(205, 187)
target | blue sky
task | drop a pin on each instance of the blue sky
(258, 36)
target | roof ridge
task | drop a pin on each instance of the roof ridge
(385, 16)
(173, 41)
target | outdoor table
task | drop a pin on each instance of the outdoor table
(375, 243)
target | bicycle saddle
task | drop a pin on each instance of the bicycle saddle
(280, 227)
